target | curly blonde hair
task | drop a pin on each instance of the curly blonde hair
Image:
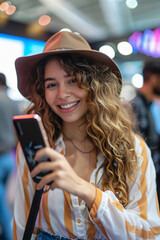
(108, 124)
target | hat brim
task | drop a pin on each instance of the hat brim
(25, 65)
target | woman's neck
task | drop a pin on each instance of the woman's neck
(76, 139)
(75, 131)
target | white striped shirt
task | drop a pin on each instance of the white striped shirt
(61, 213)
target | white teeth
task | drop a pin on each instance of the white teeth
(68, 105)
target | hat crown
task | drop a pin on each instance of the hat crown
(66, 40)
(59, 43)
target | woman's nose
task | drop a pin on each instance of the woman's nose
(62, 92)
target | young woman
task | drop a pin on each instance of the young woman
(102, 175)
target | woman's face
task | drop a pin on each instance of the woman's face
(62, 94)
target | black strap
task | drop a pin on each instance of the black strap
(32, 215)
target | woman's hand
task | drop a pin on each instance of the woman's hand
(62, 175)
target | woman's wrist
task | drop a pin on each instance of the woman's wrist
(87, 192)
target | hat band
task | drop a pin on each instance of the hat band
(57, 49)
(63, 48)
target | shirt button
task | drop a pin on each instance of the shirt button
(78, 220)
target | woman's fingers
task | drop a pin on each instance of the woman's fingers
(48, 179)
(56, 174)
(52, 167)
(47, 152)
(60, 173)
(41, 167)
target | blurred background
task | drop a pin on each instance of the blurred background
(126, 30)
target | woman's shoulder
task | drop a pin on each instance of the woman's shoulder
(139, 138)
(139, 142)
(142, 150)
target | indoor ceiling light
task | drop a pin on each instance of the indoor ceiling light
(4, 6)
(10, 10)
(131, 3)
(65, 29)
(108, 50)
(125, 48)
(128, 92)
(44, 20)
(137, 80)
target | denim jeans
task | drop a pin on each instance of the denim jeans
(46, 236)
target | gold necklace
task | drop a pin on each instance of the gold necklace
(76, 146)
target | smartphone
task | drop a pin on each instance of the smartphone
(32, 137)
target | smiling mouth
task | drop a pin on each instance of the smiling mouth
(67, 106)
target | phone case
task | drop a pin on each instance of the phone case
(32, 137)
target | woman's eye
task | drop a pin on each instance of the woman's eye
(51, 85)
(72, 81)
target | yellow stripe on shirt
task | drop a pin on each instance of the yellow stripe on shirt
(67, 215)
(46, 211)
(25, 181)
(142, 203)
(139, 232)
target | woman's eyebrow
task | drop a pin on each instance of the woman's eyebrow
(52, 78)
(68, 75)
(49, 79)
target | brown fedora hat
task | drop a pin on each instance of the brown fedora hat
(61, 42)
